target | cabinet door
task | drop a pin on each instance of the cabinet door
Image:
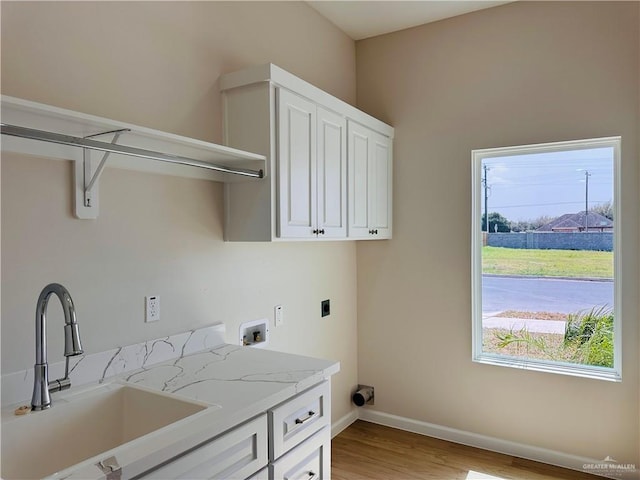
(369, 193)
(332, 174)
(358, 173)
(380, 200)
(296, 123)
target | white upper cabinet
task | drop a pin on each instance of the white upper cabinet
(370, 183)
(314, 182)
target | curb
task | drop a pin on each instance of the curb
(533, 277)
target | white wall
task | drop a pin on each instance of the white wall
(157, 64)
(526, 72)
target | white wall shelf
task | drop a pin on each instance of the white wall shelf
(51, 132)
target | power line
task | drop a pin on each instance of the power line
(546, 204)
(563, 183)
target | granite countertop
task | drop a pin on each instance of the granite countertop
(235, 383)
(243, 381)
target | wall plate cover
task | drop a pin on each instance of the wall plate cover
(278, 315)
(152, 308)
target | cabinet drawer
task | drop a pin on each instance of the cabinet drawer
(236, 454)
(296, 420)
(261, 475)
(309, 461)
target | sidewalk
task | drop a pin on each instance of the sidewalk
(489, 320)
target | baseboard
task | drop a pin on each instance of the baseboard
(529, 452)
(343, 422)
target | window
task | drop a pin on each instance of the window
(545, 257)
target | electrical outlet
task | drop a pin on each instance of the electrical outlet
(325, 308)
(278, 318)
(152, 308)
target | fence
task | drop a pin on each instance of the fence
(602, 241)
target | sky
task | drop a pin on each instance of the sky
(526, 187)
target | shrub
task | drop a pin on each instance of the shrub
(591, 334)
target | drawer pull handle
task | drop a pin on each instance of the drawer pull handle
(305, 419)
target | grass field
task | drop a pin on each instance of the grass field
(547, 263)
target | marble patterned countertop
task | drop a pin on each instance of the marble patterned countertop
(236, 383)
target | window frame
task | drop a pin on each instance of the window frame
(588, 371)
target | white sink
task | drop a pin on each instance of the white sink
(78, 427)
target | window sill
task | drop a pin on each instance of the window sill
(584, 371)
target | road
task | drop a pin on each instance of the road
(543, 294)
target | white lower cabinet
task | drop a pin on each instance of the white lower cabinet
(236, 454)
(291, 441)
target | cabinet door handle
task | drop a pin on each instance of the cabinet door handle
(312, 476)
(321, 232)
(311, 414)
(314, 231)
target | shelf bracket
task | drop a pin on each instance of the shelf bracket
(86, 180)
(89, 180)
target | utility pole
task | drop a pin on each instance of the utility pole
(486, 199)
(586, 200)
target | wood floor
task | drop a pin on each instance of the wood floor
(373, 452)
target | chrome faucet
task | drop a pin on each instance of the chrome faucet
(41, 398)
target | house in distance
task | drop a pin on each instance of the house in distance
(576, 222)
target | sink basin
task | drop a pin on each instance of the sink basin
(78, 427)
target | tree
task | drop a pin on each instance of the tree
(605, 209)
(530, 225)
(495, 219)
(520, 226)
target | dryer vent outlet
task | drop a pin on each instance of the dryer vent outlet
(364, 396)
